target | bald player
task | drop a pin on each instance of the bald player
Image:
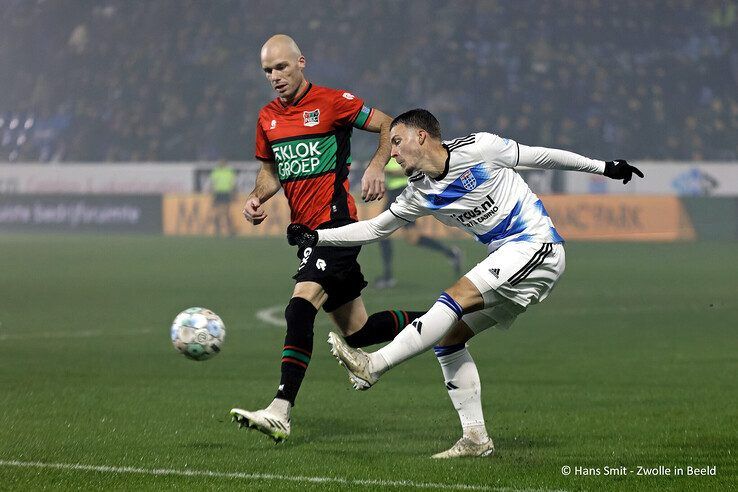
(303, 142)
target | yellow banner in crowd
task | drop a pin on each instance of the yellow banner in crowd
(619, 218)
(577, 217)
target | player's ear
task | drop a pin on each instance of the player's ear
(301, 61)
(422, 135)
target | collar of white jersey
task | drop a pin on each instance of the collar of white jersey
(445, 167)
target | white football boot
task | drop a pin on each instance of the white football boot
(356, 361)
(271, 421)
(465, 447)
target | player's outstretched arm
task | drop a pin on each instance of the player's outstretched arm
(356, 234)
(267, 185)
(372, 183)
(542, 157)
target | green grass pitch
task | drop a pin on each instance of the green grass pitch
(633, 361)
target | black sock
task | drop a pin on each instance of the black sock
(382, 327)
(385, 247)
(298, 347)
(429, 243)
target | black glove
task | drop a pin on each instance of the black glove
(620, 169)
(301, 235)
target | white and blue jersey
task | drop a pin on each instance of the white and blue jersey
(480, 192)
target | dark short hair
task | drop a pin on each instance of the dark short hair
(419, 118)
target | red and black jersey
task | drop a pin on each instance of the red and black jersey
(310, 141)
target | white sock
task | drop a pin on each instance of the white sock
(280, 408)
(418, 336)
(464, 389)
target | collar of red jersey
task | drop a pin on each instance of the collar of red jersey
(298, 98)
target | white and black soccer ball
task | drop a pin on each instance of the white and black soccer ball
(198, 333)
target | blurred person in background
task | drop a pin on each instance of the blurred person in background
(223, 188)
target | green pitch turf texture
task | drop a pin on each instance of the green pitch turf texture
(631, 362)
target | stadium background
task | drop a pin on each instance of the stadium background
(112, 113)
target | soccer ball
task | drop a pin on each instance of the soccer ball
(198, 333)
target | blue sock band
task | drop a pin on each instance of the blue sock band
(449, 302)
(448, 350)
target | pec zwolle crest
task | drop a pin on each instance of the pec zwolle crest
(311, 118)
(468, 180)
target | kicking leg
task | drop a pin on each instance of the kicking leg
(360, 330)
(415, 338)
(425, 331)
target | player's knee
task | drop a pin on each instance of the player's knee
(300, 313)
(466, 294)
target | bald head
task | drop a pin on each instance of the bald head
(283, 64)
(282, 45)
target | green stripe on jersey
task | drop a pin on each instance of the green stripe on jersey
(303, 158)
(296, 355)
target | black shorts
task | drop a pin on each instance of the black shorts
(335, 269)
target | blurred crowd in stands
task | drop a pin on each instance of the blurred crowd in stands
(180, 80)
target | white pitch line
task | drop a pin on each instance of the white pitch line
(272, 315)
(257, 476)
(59, 334)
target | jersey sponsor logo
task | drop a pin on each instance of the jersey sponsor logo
(348, 96)
(273, 125)
(478, 214)
(468, 181)
(302, 158)
(311, 118)
(320, 264)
